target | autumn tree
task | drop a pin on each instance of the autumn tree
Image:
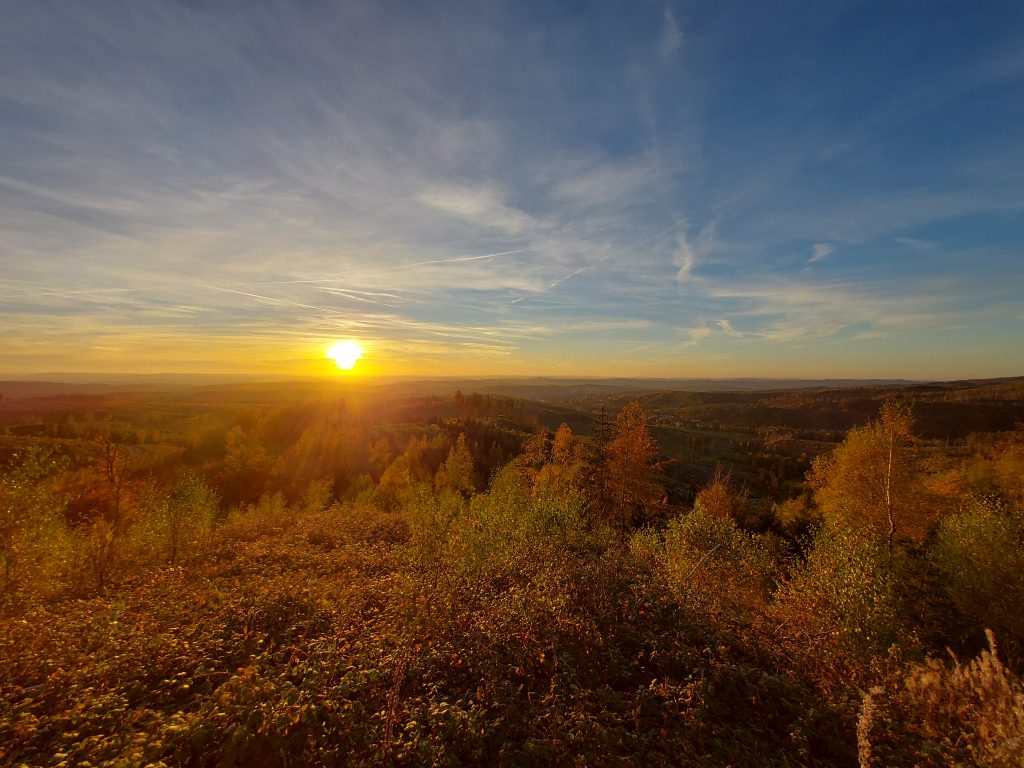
(718, 499)
(244, 452)
(631, 492)
(105, 532)
(394, 483)
(318, 495)
(246, 466)
(380, 456)
(869, 481)
(564, 474)
(979, 554)
(564, 446)
(534, 455)
(114, 462)
(456, 474)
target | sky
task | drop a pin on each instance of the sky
(767, 189)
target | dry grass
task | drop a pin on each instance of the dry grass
(965, 714)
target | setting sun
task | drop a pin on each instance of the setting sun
(345, 354)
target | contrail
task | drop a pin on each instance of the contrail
(462, 258)
(551, 286)
(354, 295)
(71, 293)
(323, 280)
(270, 298)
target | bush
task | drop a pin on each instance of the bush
(979, 552)
(707, 561)
(35, 544)
(181, 522)
(318, 496)
(844, 596)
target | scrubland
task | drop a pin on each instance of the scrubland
(435, 584)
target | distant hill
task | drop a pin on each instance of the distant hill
(547, 388)
(531, 388)
(942, 410)
(23, 390)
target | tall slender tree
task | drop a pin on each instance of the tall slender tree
(869, 481)
(632, 492)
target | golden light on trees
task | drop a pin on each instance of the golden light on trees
(345, 354)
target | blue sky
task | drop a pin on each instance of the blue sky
(654, 189)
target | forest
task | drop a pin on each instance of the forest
(289, 574)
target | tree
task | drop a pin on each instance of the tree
(456, 474)
(114, 460)
(563, 447)
(318, 495)
(534, 454)
(844, 594)
(563, 476)
(631, 491)
(717, 499)
(105, 532)
(394, 483)
(380, 456)
(246, 465)
(869, 481)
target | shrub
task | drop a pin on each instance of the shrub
(318, 496)
(34, 540)
(708, 561)
(181, 522)
(980, 553)
(844, 595)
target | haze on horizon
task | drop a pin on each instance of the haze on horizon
(802, 189)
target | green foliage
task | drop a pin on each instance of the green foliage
(34, 544)
(318, 495)
(270, 513)
(844, 597)
(980, 553)
(709, 563)
(547, 511)
(183, 521)
(395, 483)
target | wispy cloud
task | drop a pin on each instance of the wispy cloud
(671, 35)
(725, 326)
(687, 256)
(820, 252)
(480, 205)
(445, 185)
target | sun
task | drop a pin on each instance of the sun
(345, 354)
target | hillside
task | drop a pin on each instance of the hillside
(256, 574)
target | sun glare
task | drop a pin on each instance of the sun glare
(345, 354)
